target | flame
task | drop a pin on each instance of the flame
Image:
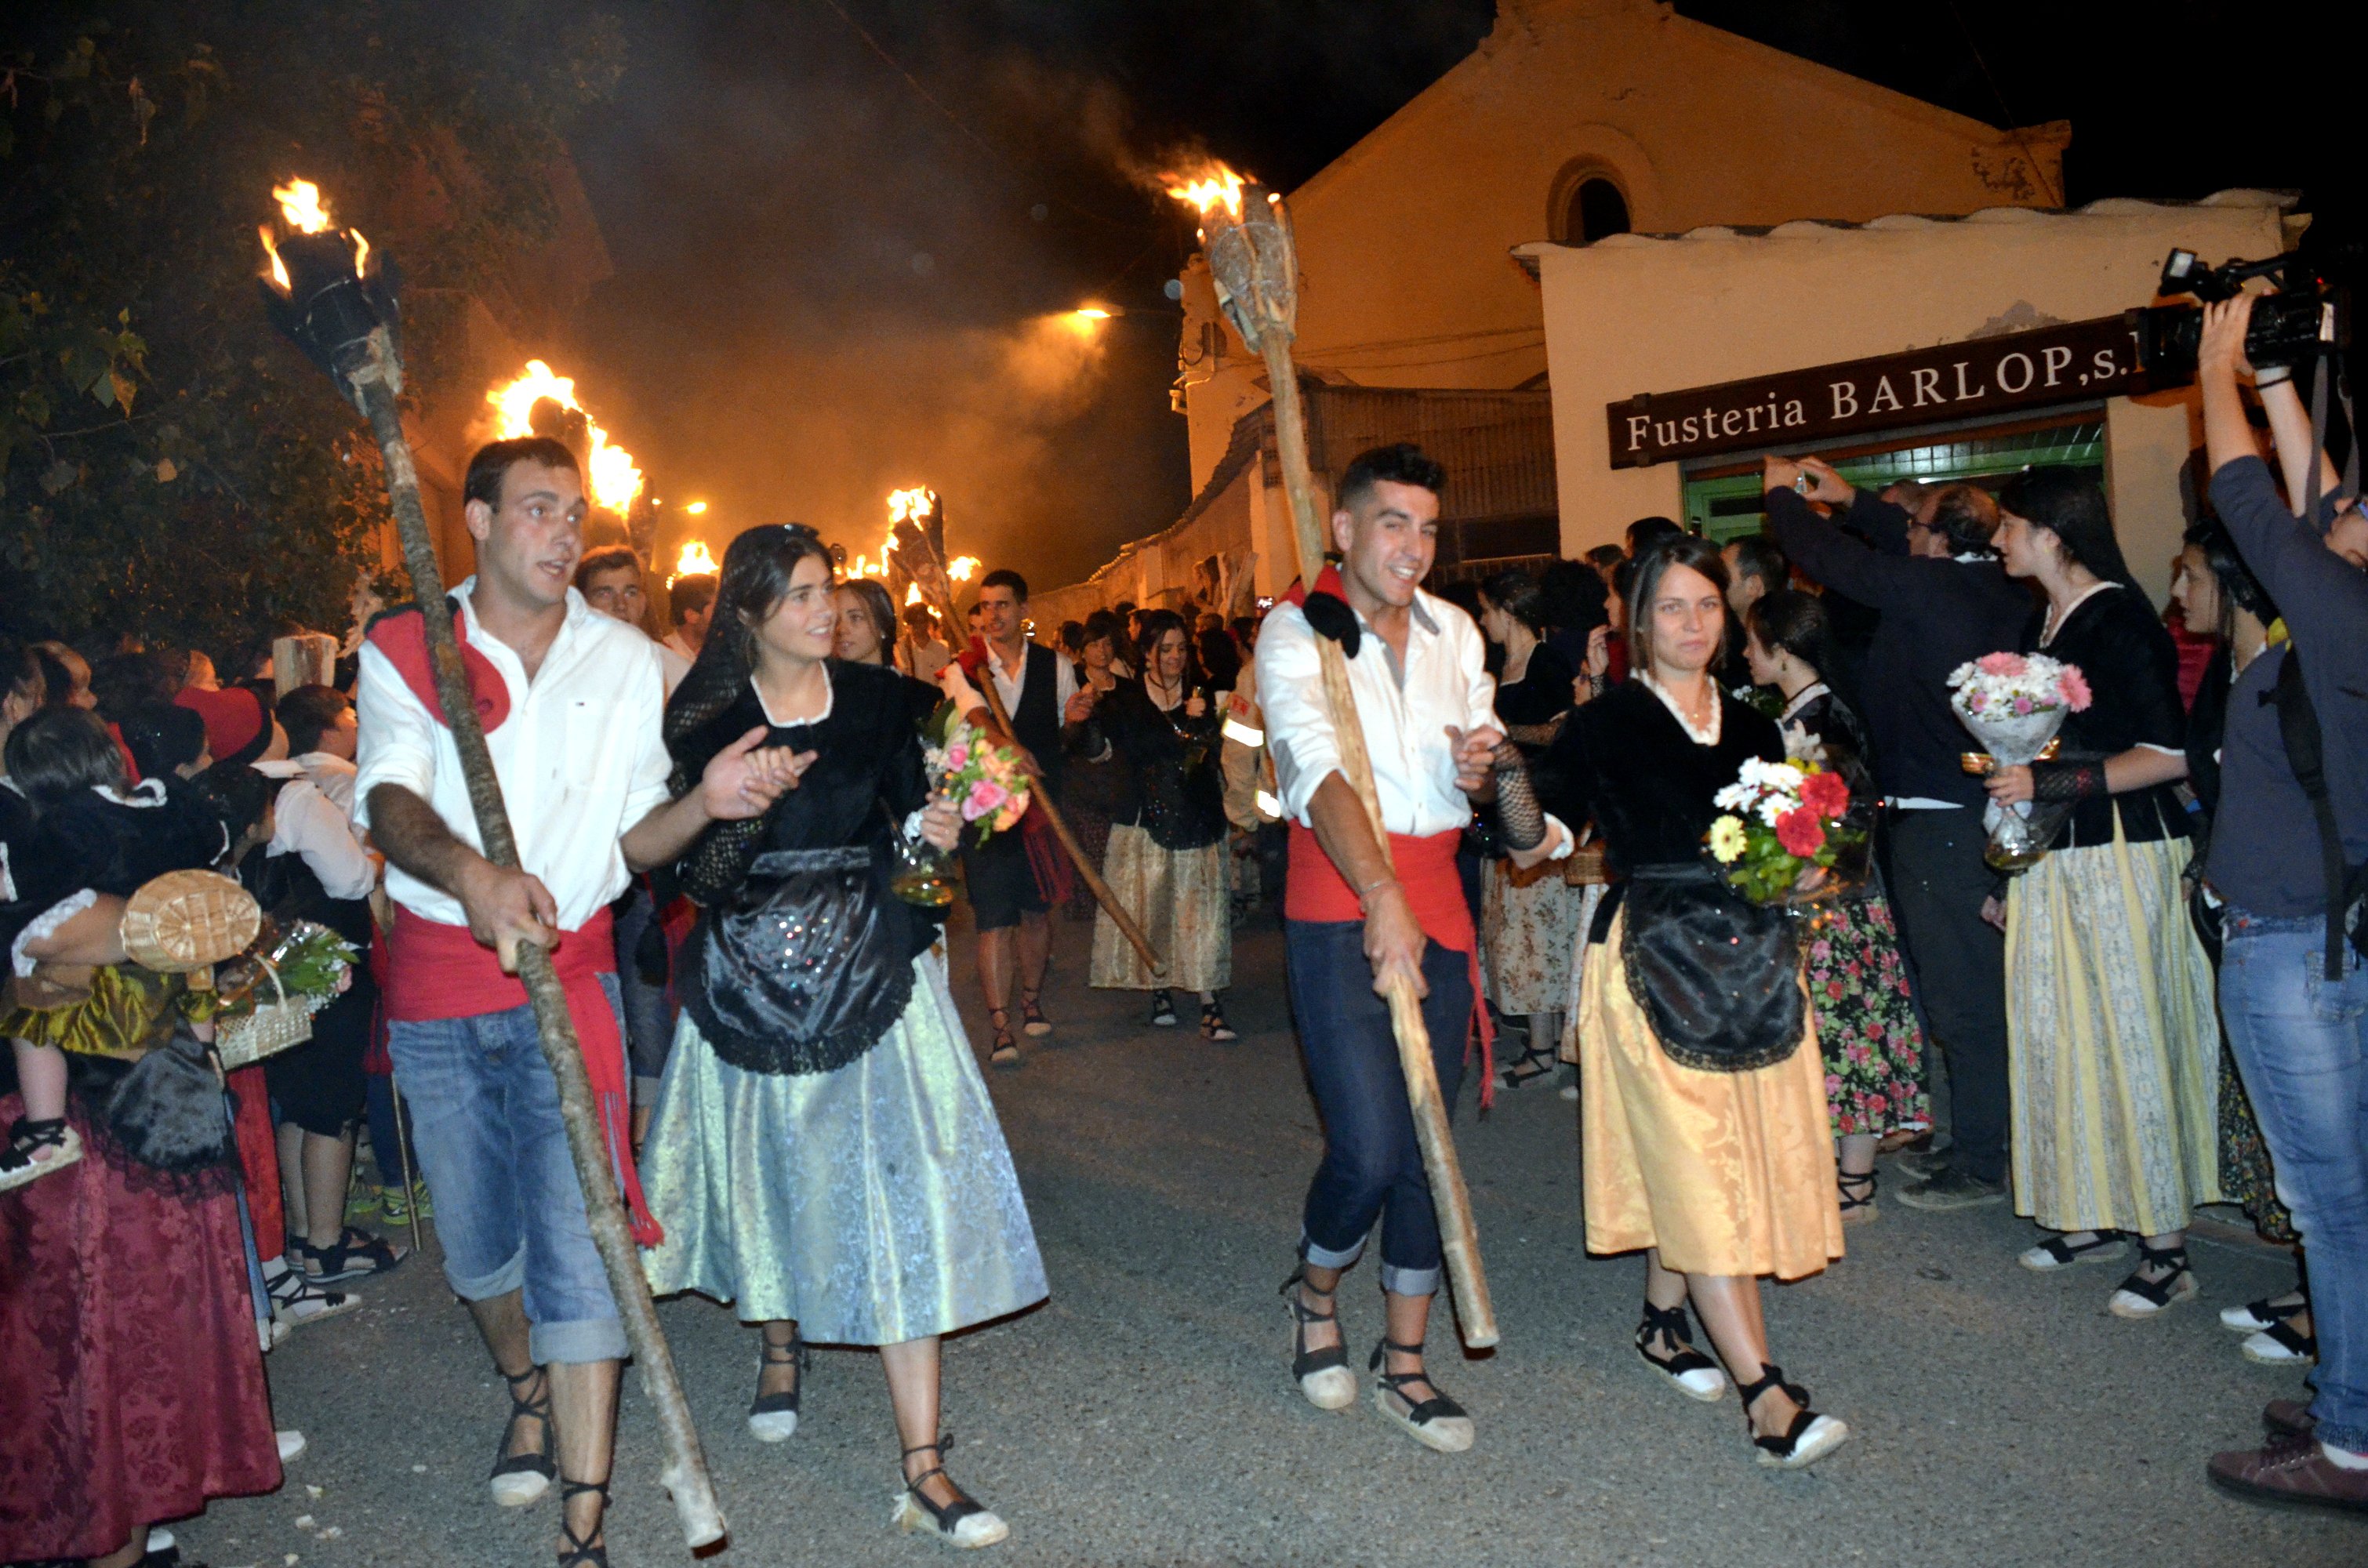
(1219, 186)
(912, 593)
(1090, 313)
(613, 478)
(362, 251)
(279, 269)
(300, 204)
(962, 567)
(909, 504)
(693, 561)
(696, 508)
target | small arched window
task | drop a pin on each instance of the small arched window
(1596, 211)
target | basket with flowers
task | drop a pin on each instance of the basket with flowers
(1780, 819)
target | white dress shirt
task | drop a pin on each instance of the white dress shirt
(1405, 713)
(1009, 685)
(580, 757)
(309, 820)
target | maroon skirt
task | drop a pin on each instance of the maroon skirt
(128, 1367)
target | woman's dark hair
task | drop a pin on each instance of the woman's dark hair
(2069, 504)
(1156, 625)
(1646, 532)
(1966, 516)
(130, 682)
(1606, 557)
(1671, 550)
(1221, 657)
(1788, 621)
(164, 739)
(1520, 595)
(1757, 555)
(307, 713)
(758, 566)
(61, 750)
(881, 609)
(2239, 589)
(57, 677)
(236, 794)
(1102, 624)
(1577, 597)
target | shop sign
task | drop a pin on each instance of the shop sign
(2074, 362)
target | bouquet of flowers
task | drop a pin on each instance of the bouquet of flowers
(2014, 703)
(986, 783)
(1781, 819)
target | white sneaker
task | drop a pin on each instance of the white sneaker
(291, 1444)
(2281, 1344)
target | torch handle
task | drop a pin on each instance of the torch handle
(684, 1474)
(1458, 1236)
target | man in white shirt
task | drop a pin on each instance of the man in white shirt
(609, 579)
(691, 601)
(1354, 922)
(570, 703)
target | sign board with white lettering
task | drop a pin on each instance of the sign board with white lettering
(2076, 362)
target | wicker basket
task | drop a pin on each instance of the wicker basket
(189, 920)
(1585, 867)
(272, 1027)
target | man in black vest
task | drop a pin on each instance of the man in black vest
(1039, 689)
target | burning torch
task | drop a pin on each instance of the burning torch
(916, 530)
(1246, 234)
(325, 293)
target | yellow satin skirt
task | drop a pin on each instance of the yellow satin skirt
(1727, 1173)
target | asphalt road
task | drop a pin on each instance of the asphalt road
(1145, 1415)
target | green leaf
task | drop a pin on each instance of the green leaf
(59, 476)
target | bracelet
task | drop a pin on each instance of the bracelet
(1385, 878)
(2273, 376)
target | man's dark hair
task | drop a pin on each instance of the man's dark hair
(1757, 555)
(1606, 557)
(607, 558)
(686, 596)
(1005, 577)
(307, 713)
(1966, 516)
(494, 460)
(1576, 599)
(1645, 531)
(920, 621)
(2239, 589)
(1073, 638)
(1402, 463)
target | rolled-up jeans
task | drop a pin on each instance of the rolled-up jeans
(2301, 1042)
(487, 1131)
(1373, 1166)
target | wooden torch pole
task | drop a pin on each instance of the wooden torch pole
(1257, 280)
(684, 1473)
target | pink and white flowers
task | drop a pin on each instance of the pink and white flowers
(984, 780)
(2015, 685)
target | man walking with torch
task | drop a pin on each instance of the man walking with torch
(1357, 925)
(571, 702)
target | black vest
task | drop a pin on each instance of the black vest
(1036, 722)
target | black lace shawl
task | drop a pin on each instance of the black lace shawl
(2131, 667)
(1180, 789)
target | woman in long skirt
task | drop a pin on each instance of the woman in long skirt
(2113, 1043)
(1704, 1134)
(1529, 920)
(1167, 860)
(823, 1154)
(1858, 981)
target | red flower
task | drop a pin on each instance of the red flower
(1825, 794)
(1800, 833)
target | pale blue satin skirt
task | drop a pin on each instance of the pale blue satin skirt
(873, 1205)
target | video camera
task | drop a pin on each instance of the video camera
(2305, 318)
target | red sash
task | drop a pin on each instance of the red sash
(401, 636)
(1315, 889)
(436, 971)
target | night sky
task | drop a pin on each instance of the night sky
(841, 227)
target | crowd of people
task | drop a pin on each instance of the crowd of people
(2163, 1011)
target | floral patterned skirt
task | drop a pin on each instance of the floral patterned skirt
(1530, 930)
(1866, 1022)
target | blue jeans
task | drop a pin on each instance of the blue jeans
(486, 1131)
(649, 1018)
(2301, 1042)
(1373, 1166)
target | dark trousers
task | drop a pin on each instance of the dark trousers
(1937, 883)
(1373, 1166)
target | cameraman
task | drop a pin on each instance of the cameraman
(2300, 1038)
